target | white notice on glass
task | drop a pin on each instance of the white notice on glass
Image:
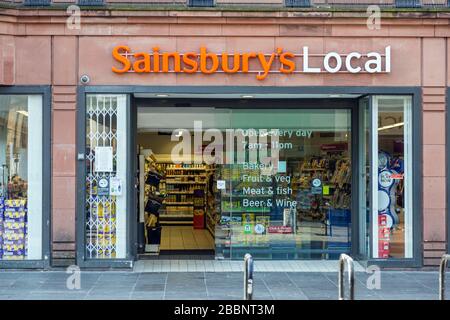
(220, 184)
(115, 186)
(103, 159)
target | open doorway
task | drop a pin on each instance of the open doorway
(173, 198)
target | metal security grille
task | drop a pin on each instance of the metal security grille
(101, 131)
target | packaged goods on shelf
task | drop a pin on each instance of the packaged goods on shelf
(2, 210)
(14, 229)
(107, 226)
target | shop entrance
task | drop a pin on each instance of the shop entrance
(278, 178)
(223, 178)
(173, 198)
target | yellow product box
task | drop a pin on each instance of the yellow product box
(13, 236)
(106, 253)
(106, 238)
(14, 225)
(18, 203)
(107, 225)
(106, 210)
(7, 257)
(15, 214)
(13, 247)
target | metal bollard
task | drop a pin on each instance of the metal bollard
(346, 260)
(248, 277)
(442, 269)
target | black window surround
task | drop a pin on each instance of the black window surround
(45, 262)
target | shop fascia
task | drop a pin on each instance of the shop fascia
(279, 61)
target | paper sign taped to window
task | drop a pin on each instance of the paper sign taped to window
(221, 185)
(103, 159)
(115, 186)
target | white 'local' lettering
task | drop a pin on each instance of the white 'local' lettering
(372, 64)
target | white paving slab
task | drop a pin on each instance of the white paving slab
(237, 266)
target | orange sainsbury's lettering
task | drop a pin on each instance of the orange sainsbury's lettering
(142, 65)
(203, 62)
(190, 59)
(176, 61)
(285, 62)
(236, 63)
(156, 59)
(245, 58)
(204, 57)
(265, 65)
(117, 53)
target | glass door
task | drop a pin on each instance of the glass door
(105, 172)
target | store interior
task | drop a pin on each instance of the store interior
(184, 190)
(220, 210)
(182, 210)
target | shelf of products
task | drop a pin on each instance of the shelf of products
(333, 170)
(13, 229)
(154, 196)
(13, 219)
(180, 184)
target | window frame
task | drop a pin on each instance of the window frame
(45, 261)
(407, 100)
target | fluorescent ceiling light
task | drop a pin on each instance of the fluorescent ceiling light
(162, 95)
(391, 126)
(246, 96)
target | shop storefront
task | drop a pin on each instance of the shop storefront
(284, 178)
(285, 144)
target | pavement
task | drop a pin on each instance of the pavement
(126, 285)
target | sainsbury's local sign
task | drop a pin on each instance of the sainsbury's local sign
(258, 63)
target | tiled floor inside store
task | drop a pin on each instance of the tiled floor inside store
(185, 238)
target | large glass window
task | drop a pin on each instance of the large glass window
(298, 205)
(392, 212)
(275, 182)
(20, 177)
